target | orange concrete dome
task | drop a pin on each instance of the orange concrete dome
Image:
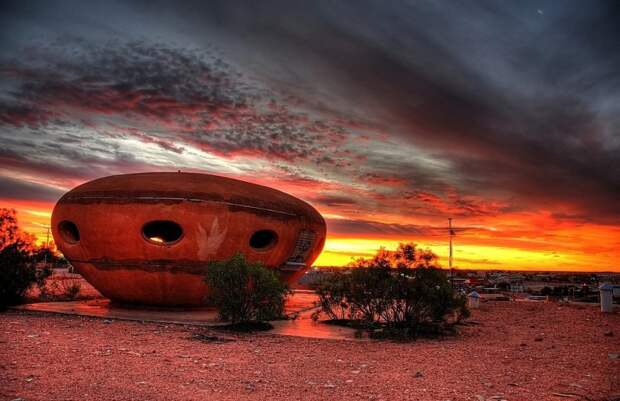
(147, 238)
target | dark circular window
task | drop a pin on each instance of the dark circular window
(69, 231)
(162, 232)
(263, 239)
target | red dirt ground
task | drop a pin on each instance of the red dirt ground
(513, 351)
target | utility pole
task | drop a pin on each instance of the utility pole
(450, 234)
(47, 245)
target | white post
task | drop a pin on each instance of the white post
(473, 300)
(607, 298)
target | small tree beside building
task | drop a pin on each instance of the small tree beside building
(398, 293)
(18, 270)
(244, 291)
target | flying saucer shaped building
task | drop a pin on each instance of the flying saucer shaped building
(147, 238)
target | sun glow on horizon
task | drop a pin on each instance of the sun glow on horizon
(485, 250)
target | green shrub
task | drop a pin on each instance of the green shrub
(18, 270)
(332, 291)
(244, 291)
(17, 274)
(394, 294)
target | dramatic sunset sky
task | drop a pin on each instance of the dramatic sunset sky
(387, 116)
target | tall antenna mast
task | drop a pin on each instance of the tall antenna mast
(47, 245)
(450, 234)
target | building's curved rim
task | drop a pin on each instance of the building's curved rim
(155, 266)
(171, 198)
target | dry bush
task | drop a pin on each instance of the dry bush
(396, 294)
(60, 289)
(245, 292)
(70, 287)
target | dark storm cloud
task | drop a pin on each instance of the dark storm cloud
(16, 189)
(65, 166)
(519, 101)
(347, 227)
(351, 227)
(193, 94)
(520, 98)
(135, 78)
(334, 200)
(20, 115)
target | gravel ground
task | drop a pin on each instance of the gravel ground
(510, 350)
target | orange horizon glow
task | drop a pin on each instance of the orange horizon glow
(513, 242)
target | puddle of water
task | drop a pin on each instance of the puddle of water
(301, 303)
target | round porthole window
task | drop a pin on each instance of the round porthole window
(162, 232)
(69, 232)
(263, 239)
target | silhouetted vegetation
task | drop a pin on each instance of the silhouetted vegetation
(245, 292)
(18, 258)
(398, 294)
(580, 293)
